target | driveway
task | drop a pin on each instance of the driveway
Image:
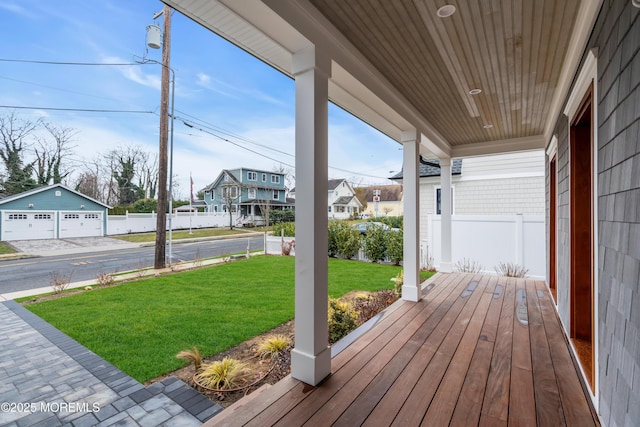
(47, 247)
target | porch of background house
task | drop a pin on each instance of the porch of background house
(476, 350)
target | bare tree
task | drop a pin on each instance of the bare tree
(229, 193)
(289, 176)
(133, 173)
(147, 171)
(51, 153)
(14, 133)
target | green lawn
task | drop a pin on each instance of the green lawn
(6, 249)
(180, 234)
(140, 326)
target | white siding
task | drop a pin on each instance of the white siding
(518, 164)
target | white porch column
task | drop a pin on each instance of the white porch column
(411, 193)
(446, 265)
(311, 357)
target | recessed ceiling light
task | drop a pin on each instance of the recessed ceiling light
(488, 126)
(475, 91)
(446, 11)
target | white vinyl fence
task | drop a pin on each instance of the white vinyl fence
(490, 240)
(146, 222)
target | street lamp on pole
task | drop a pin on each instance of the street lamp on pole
(153, 41)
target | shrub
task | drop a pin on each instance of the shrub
(334, 230)
(375, 246)
(272, 346)
(145, 206)
(395, 246)
(510, 269)
(344, 240)
(398, 283)
(466, 265)
(369, 305)
(225, 374)
(192, 356)
(288, 227)
(60, 281)
(342, 319)
(105, 279)
(287, 247)
(277, 216)
(391, 221)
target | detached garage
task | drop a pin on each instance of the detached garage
(51, 212)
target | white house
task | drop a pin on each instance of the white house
(501, 184)
(342, 202)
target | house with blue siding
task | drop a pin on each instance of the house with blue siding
(247, 192)
(51, 212)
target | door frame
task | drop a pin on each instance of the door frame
(586, 81)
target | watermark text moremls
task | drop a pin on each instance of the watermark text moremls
(55, 407)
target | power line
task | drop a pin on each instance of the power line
(28, 61)
(88, 110)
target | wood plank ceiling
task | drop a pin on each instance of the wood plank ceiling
(512, 50)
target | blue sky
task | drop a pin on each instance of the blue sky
(219, 88)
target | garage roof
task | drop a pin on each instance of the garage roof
(46, 188)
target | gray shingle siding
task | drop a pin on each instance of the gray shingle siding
(617, 36)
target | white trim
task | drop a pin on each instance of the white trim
(588, 74)
(501, 176)
(552, 148)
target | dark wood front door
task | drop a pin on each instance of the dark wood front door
(582, 241)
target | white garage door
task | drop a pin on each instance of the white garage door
(28, 225)
(80, 224)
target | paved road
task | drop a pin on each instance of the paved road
(33, 273)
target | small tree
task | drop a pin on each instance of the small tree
(229, 193)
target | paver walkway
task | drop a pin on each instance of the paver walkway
(48, 379)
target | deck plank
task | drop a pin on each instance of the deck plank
(546, 395)
(521, 396)
(495, 408)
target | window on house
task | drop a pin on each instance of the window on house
(71, 216)
(251, 193)
(264, 177)
(213, 195)
(439, 201)
(329, 209)
(276, 194)
(42, 216)
(91, 216)
(230, 192)
(275, 179)
(17, 216)
(252, 176)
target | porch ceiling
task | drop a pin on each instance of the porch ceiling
(398, 65)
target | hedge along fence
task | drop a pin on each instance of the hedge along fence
(345, 242)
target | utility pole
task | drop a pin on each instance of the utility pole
(161, 224)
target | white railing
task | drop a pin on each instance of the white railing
(490, 240)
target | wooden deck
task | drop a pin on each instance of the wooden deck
(477, 350)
